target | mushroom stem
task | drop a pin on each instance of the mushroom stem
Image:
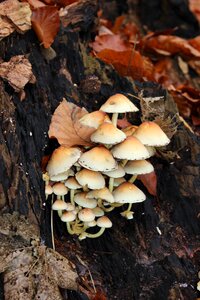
(111, 182)
(124, 162)
(69, 229)
(128, 214)
(52, 230)
(106, 209)
(133, 178)
(72, 192)
(92, 235)
(114, 119)
(85, 188)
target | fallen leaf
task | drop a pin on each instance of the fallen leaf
(165, 72)
(171, 45)
(150, 182)
(35, 3)
(18, 72)
(46, 22)
(123, 123)
(65, 125)
(14, 15)
(194, 6)
(128, 63)
(109, 41)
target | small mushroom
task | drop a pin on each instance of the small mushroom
(60, 189)
(94, 119)
(137, 167)
(102, 222)
(80, 199)
(119, 172)
(73, 185)
(128, 193)
(91, 179)
(108, 134)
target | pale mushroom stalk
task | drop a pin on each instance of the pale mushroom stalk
(111, 182)
(93, 235)
(133, 178)
(69, 229)
(106, 209)
(72, 192)
(85, 188)
(128, 214)
(114, 119)
(124, 162)
(52, 229)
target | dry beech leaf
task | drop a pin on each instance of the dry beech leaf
(14, 15)
(18, 72)
(36, 272)
(128, 63)
(46, 22)
(150, 182)
(35, 3)
(65, 125)
(109, 41)
(194, 6)
(171, 45)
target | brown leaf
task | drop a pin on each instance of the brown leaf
(194, 6)
(109, 41)
(169, 45)
(35, 3)
(150, 182)
(128, 63)
(46, 22)
(65, 125)
(14, 15)
(18, 72)
(166, 73)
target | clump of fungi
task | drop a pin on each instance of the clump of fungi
(100, 178)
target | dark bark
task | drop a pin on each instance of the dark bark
(131, 260)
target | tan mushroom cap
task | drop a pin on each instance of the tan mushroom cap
(98, 159)
(86, 215)
(150, 134)
(118, 103)
(59, 205)
(118, 181)
(91, 224)
(80, 199)
(119, 172)
(68, 216)
(92, 179)
(108, 134)
(98, 211)
(62, 176)
(48, 189)
(103, 194)
(137, 167)
(72, 183)
(131, 148)
(59, 189)
(62, 159)
(104, 222)
(94, 119)
(128, 193)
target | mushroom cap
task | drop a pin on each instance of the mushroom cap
(104, 222)
(62, 159)
(108, 134)
(98, 211)
(150, 134)
(94, 119)
(91, 224)
(68, 216)
(62, 176)
(103, 194)
(138, 167)
(48, 189)
(98, 159)
(72, 183)
(70, 206)
(86, 215)
(59, 205)
(118, 181)
(60, 189)
(128, 193)
(118, 103)
(131, 148)
(119, 172)
(93, 179)
(129, 130)
(80, 199)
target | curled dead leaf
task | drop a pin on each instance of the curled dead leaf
(150, 182)
(66, 127)
(46, 22)
(18, 72)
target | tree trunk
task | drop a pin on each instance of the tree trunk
(155, 255)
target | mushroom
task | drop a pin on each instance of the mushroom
(62, 176)
(136, 167)
(118, 103)
(94, 119)
(82, 200)
(73, 185)
(98, 159)
(98, 212)
(60, 189)
(102, 222)
(108, 134)
(62, 159)
(68, 216)
(103, 194)
(150, 134)
(90, 179)
(130, 149)
(86, 215)
(119, 172)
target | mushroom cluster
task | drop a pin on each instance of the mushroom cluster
(101, 177)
